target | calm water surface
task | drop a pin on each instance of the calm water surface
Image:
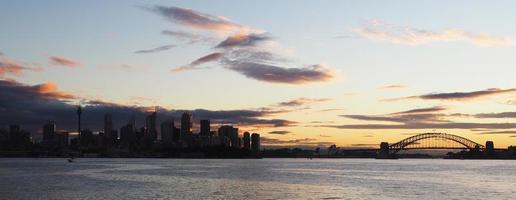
(256, 179)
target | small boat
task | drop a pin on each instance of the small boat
(70, 160)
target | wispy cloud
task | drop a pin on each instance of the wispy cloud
(279, 132)
(63, 61)
(421, 110)
(285, 75)
(192, 38)
(303, 101)
(244, 40)
(498, 132)
(243, 52)
(157, 49)
(380, 31)
(496, 115)
(393, 87)
(459, 96)
(10, 67)
(195, 64)
(197, 20)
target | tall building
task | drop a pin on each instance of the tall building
(167, 131)
(79, 112)
(230, 133)
(205, 127)
(49, 131)
(255, 143)
(150, 126)
(108, 125)
(186, 125)
(247, 141)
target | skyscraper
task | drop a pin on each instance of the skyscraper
(49, 130)
(150, 125)
(230, 133)
(205, 127)
(186, 124)
(108, 125)
(79, 112)
(255, 143)
(247, 141)
(167, 131)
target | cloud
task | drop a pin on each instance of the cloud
(496, 115)
(459, 96)
(276, 74)
(241, 48)
(157, 49)
(498, 132)
(421, 110)
(408, 118)
(330, 110)
(192, 38)
(243, 40)
(9, 67)
(197, 20)
(391, 33)
(67, 62)
(33, 105)
(449, 125)
(194, 64)
(279, 132)
(304, 142)
(302, 101)
(389, 87)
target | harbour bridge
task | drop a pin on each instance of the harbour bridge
(431, 141)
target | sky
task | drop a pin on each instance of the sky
(300, 73)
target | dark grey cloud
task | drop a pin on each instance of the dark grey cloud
(421, 110)
(157, 49)
(279, 132)
(244, 40)
(459, 95)
(276, 74)
(31, 106)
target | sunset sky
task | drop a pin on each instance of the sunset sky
(303, 73)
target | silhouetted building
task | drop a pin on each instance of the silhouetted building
(230, 133)
(79, 113)
(255, 143)
(167, 131)
(108, 124)
(87, 139)
(489, 147)
(49, 130)
(205, 127)
(247, 141)
(128, 135)
(186, 125)
(150, 126)
(62, 138)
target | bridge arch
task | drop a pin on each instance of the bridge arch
(463, 142)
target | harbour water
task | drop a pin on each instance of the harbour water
(55, 178)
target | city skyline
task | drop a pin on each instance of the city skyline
(301, 74)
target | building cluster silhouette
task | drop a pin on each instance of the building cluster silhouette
(132, 138)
